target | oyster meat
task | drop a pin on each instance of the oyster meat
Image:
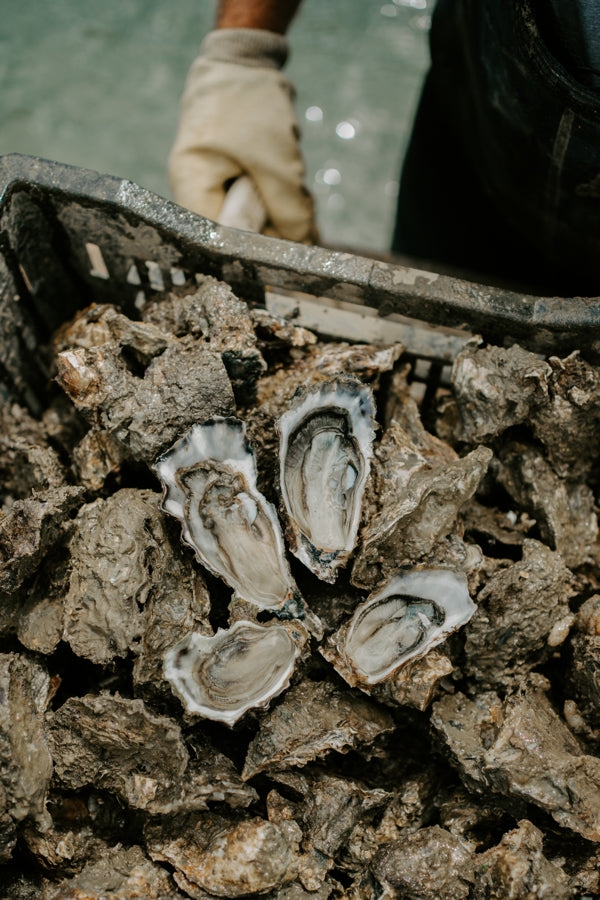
(209, 480)
(325, 452)
(413, 612)
(245, 666)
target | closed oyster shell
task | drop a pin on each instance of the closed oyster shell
(415, 611)
(223, 676)
(325, 452)
(209, 479)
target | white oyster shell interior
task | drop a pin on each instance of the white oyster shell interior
(209, 480)
(325, 453)
(223, 676)
(413, 613)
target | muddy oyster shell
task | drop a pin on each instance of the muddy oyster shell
(209, 480)
(415, 611)
(222, 676)
(326, 442)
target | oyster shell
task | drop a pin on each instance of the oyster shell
(245, 666)
(413, 612)
(209, 480)
(325, 452)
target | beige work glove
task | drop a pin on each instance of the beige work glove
(237, 117)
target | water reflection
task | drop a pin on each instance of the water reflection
(314, 114)
(346, 130)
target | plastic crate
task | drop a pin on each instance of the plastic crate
(70, 237)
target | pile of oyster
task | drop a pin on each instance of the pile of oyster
(265, 633)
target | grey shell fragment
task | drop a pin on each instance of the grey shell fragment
(119, 745)
(475, 819)
(223, 321)
(40, 621)
(312, 719)
(518, 607)
(222, 857)
(276, 331)
(408, 809)
(432, 864)
(109, 580)
(30, 529)
(558, 401)
(584, 664)
(110, 741)
(145, 412)
(25, 762)
(412, 520)
(564, 510)
(63, 850)
(569, 424)
(120, 874)
(121, 558)
(416, 683)
(102, 323)
(533, 756)
(332, 807)
(517, 868)
(27, 461)
(97, 455)
(496, 388)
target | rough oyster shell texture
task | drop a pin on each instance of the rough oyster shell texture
(471, 769)
(209, 480)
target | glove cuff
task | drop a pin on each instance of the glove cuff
(246, 46)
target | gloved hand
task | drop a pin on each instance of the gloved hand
(237, 117)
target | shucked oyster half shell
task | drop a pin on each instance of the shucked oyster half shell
(224, 675)
(415, 611)
(209, 480)
(326, 440)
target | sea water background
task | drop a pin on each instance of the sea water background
(98, 85)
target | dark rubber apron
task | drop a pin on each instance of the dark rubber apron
(502, 174)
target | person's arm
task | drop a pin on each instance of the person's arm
(268, 15)
(237, 118)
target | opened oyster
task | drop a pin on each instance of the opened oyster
(209, 480)
(414, 612)
(245, 666)
(325, 453)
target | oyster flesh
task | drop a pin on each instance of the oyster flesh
(413, 612)
(209, 480)
(245, 666)
(326, 442)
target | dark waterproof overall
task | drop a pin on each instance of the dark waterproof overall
(502, 174)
